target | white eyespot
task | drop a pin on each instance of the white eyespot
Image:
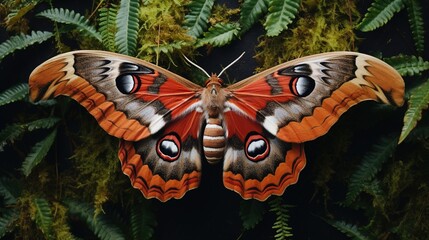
(169, 147)
(255, 145)
(126, 84)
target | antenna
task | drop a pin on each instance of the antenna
(195, 65)
(229, 65)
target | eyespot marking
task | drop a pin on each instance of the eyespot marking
(302, 86)
(128, 83)
(257, 147)
(168, 147)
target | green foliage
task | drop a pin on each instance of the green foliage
(22, 41)
(380, 12)
(220, 34)
(418, 102)
(281, 224)
(197, 18)
(7, 218)
(43, 216)
(37, 153)
(101, 225)
(350, 230)
(371, 164)
(415, 17)
(251, 12)
(281, 14)
(73, 18)
(9, 190)
(408, 65)
(251, 213)
(143, 221)
(13, 94)
(127, 25)
(107, 23)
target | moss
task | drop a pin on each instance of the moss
(322, 26)
(222, 14)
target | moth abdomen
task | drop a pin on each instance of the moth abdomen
(214, 140)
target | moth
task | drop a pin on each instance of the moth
(168, 125)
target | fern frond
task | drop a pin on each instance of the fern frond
(10, 133)
(10, 190)
(349, 230)
(37, 153)
(408, 65)
(197, 18)
(43, 216)
(127, 25)
(15, 16)
(143, 221)
(370, 166)
(7, 219)
(13, 94)
(22, 41)
(251, 213)
(251, 11)
(100, 225)
(43, 123)
(107, 18)
(380, 12)
(415, 18)
(71, 17)
(419, 101)
(419, 133)
(281, 224)
(281, 14)
(220, 34)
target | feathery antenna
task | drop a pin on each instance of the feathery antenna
(195, 65)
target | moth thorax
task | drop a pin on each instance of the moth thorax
(214, 140)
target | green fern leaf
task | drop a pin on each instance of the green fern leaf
(370, 166)
(107, 18)
(350, 230)
(415, 17)
(380, 12)
(71, 17)
(127, 25)
(100, 225)
(420, 133)
(37, 153)
(10, 134)
(281, 14)
(281, 224)
(220, 34)
(251, 11)
(7, 219)
(43, 123)
(419, 101)
(22, 41)
(10, 190)
(198, 16)
(408, 65)
(251, 213)
(13, 94)
(143, 221)
(43, 217)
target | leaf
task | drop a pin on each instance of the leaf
(419, 101)
(198, 16)
(251, 213)
(43, 123)
(281, 224)
(22, 41)
(13, 94)
(415, 18)
(71, 17)
(7, 219)
(143, 221)
(251, 11)
(281, 14)
(10, 133)
(370, 166)
(37, 153)
(350, 230)
(127, 25)
(100, 225)
(107, 18)
(43, 216)
(220, 34)
(380, 12)
(408, 65)
(10, 190)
